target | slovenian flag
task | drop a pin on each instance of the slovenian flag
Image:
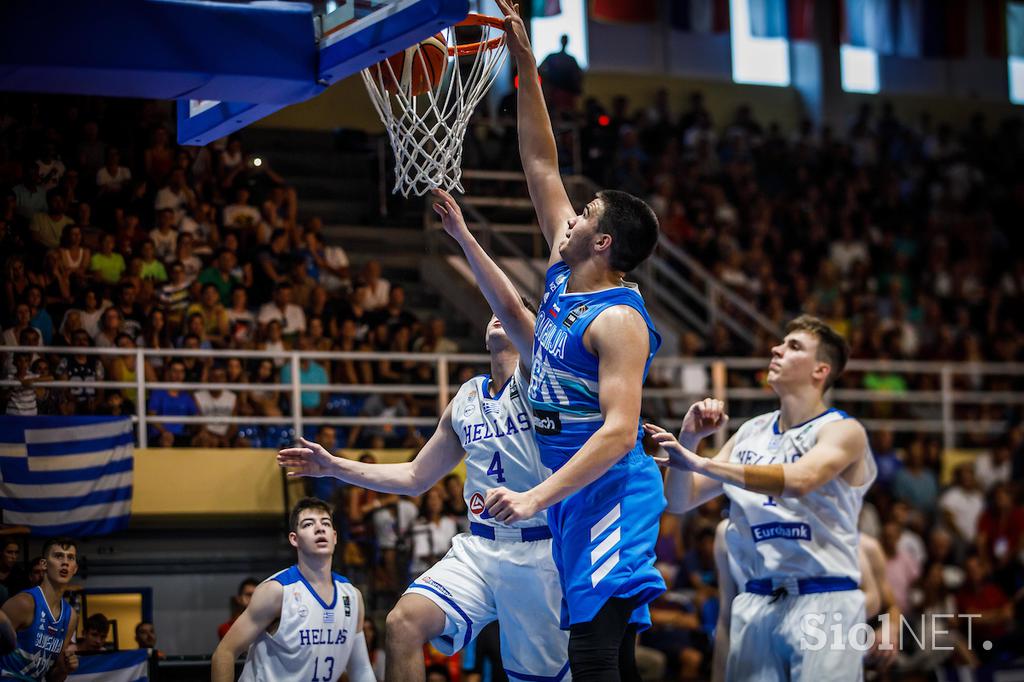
(66, 475)
(118, 666)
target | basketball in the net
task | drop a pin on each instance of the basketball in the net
(421, 65)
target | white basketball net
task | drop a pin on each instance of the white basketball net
(427, 131)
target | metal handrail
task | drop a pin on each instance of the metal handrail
(946, 397)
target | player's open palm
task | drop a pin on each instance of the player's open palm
(705, 417)
(312, 459)
(517, 39)
(451, 216)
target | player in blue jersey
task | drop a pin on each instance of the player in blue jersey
(497, 571)
(593, 345)
(42, 621)
(302, 623)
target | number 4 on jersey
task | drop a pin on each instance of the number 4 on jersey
(495, 468)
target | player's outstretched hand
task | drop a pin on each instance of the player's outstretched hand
(669, 452)
(516, 37)
(506, 506)
(705, 417)
(310, 460)
(451, 216)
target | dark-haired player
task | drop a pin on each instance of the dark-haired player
(593, 345)
(302, 623)
(41, 622)
(796, 478)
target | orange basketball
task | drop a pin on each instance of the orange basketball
(421, 65)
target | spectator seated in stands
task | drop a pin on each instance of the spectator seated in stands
(82, 368)
(13, 578)
(48, 227)
(244, 218)
(237, 603)
(377, 287)
(213, 314)
(171, 402)
(145, 638)
(281, 309)
(328, 265)
(432, 532)
(221, 274)
(174, 296)
(165, 235)
(216, 402)
(95, 631)
(106, 266)
(311, 372)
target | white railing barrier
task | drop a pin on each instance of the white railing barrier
(742, 401)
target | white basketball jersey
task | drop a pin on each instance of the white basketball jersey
(313, 639)
(793, 537)
(497, 434)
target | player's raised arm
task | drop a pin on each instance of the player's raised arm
(536, 141)
(264, 608)
(840, 445)
(619, 337)
(497, 288)
(439, 456)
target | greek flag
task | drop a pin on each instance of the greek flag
(120, 666)
(66, 475)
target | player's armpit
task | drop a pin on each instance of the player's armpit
(840, 445)
(264, 608)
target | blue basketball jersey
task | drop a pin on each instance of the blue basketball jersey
(563, 383)
(40, 643)
(604, 534)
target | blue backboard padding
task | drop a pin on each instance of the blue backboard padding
(407, 22)
(161, 49)
(221, 120)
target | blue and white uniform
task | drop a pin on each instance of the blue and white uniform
(604, 534)
(39, 644)
(800, 554)
(313, 639)
(498, 571)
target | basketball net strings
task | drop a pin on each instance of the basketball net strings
(428, 151)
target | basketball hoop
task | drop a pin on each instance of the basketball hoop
(426, 131)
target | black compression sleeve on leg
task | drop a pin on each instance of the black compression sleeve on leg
(596, 646)
(627, 656)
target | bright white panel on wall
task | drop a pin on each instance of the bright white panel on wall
(1016, 79)
(545, 32)
(758, 61)
(859, 69)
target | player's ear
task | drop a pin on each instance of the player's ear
(822, 370)
(293, 539)
(602, 242)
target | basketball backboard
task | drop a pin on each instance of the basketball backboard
(226, 63)
(350, 36)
